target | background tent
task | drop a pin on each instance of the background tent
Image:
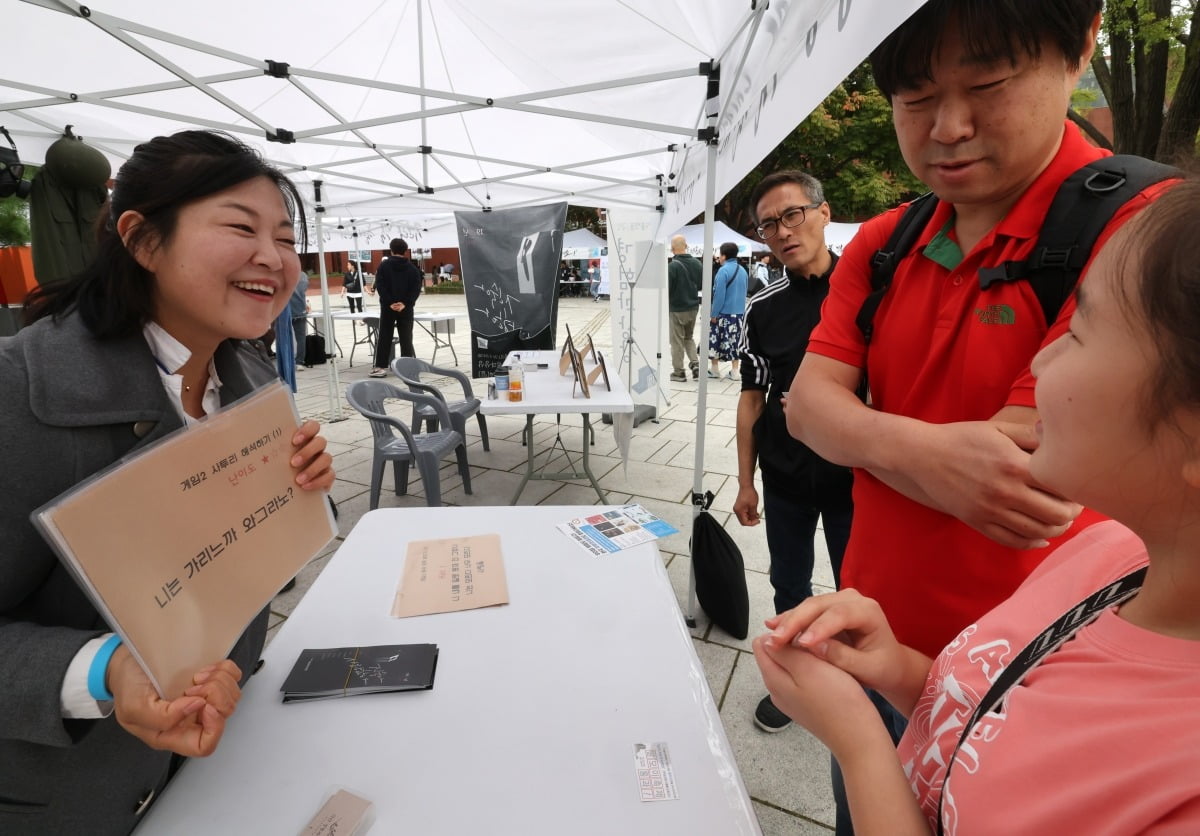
(579, 244)
(694, 233)
(837, 235)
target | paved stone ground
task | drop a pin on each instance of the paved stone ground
(786, 774)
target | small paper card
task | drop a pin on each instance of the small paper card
(457, 573)
(346, 671)
(344, 814)
(611, 531)
(655, 775)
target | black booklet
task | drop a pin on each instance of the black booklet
(345, 671)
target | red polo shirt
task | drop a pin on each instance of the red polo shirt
(944, 350)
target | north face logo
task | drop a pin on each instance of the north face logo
(996, 315)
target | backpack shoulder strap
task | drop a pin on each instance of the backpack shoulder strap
(1081, 209)
(1041, 646)
(883, 263)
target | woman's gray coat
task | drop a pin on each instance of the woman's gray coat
(71, 405)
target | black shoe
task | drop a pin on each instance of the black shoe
(769, 718)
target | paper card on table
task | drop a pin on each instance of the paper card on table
(457, 573)
(180, 545)
(343, 814)
(655, 774)
(611, 531)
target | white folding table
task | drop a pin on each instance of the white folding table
(439, 325)
(546, 391)
(532, 723)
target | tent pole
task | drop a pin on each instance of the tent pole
(706, 262)
(331, 372)
(421, 75)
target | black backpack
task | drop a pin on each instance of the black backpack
(1082, 207)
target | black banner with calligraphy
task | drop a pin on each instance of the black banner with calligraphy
(510, 274)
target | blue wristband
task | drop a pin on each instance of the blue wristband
(96, 673)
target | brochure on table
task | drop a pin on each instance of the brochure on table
(450, 575)
(612, 531)
(180, 545)
(321, 673)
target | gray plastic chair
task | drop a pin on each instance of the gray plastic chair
(410, 369)
(425, 449)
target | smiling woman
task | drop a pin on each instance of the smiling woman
(197, 255)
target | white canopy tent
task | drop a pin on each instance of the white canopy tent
(721, 234)
(339, 235)
(426, 106)
(391, 108)
(582, 243)
(838, 235)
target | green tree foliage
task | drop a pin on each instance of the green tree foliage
(585, 217)
(849, 144)
(14, 222)
(1148, 66)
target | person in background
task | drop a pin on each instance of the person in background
(1095, 733)
(728, 308)
(948, 518)
(800, 488)
(564, 275)
(684, 285)
(398, 284)
(594, 280)
(774, 271)
(761, 277)
(299, 309)
(195, 257)
(352, 289)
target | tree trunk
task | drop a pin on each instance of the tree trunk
(1178, 142)
(1150, 82)
(1120, 76)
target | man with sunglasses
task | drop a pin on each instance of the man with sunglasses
(799, 487)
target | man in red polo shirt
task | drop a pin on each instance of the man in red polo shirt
(948, 520)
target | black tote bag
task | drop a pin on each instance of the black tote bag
(720, 576)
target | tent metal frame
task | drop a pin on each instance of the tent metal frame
(462, 192)
(124, 31)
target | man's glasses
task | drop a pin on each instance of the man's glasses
(792, 218)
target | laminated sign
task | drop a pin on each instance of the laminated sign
(180, 545)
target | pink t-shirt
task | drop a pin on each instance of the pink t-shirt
(1102, 737)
